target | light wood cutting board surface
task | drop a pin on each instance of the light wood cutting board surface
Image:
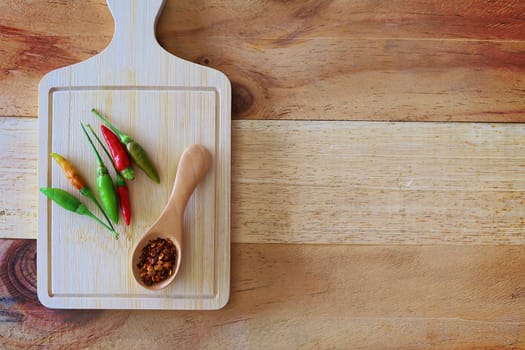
(296, 67)
(166, 104)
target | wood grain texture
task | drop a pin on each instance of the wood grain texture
(287, 20)
(359, 60)
(63, 28)
(26, 324)
(310, 297)
(19, 144)
(378, 183)
(345, 182)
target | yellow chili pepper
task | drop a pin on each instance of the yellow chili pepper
(71, 172)
(79, 183)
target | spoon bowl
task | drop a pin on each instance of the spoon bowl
(193, 165)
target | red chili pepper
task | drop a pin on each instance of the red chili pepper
(119, 154)
(125, 205)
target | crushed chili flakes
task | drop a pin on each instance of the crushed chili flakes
(158, 261)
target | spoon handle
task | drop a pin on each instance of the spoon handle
(193, 164)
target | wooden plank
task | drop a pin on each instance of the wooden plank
(378, 183)
(345, 182)
(18, 177)
(300, 296)
(288, 20)
(358, 60)
(40, 36)
(461, 19)
(380, 79)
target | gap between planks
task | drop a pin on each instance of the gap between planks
(339, 182)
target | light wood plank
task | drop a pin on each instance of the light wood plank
(378, 183)
(18, 177)
(360, 60)
(311, 297)
(346, 182)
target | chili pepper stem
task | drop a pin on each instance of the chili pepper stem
(99, 158)
(128, 173)
(124, 138)
(115, 233)
(91, 196)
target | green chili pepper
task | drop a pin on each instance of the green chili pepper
(137, 153)
(105, 187)
(69, 202)
(120, 183)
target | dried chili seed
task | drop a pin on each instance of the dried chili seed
(156, 261)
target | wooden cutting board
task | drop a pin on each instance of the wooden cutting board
(165, 104)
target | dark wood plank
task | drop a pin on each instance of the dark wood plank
(285, 21)
(292, 296)
(326, 60)
(381, 79)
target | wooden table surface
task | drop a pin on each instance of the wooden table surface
(354, 224)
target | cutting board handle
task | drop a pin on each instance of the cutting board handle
(135, 22)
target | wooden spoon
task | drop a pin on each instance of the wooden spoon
(193, 164)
